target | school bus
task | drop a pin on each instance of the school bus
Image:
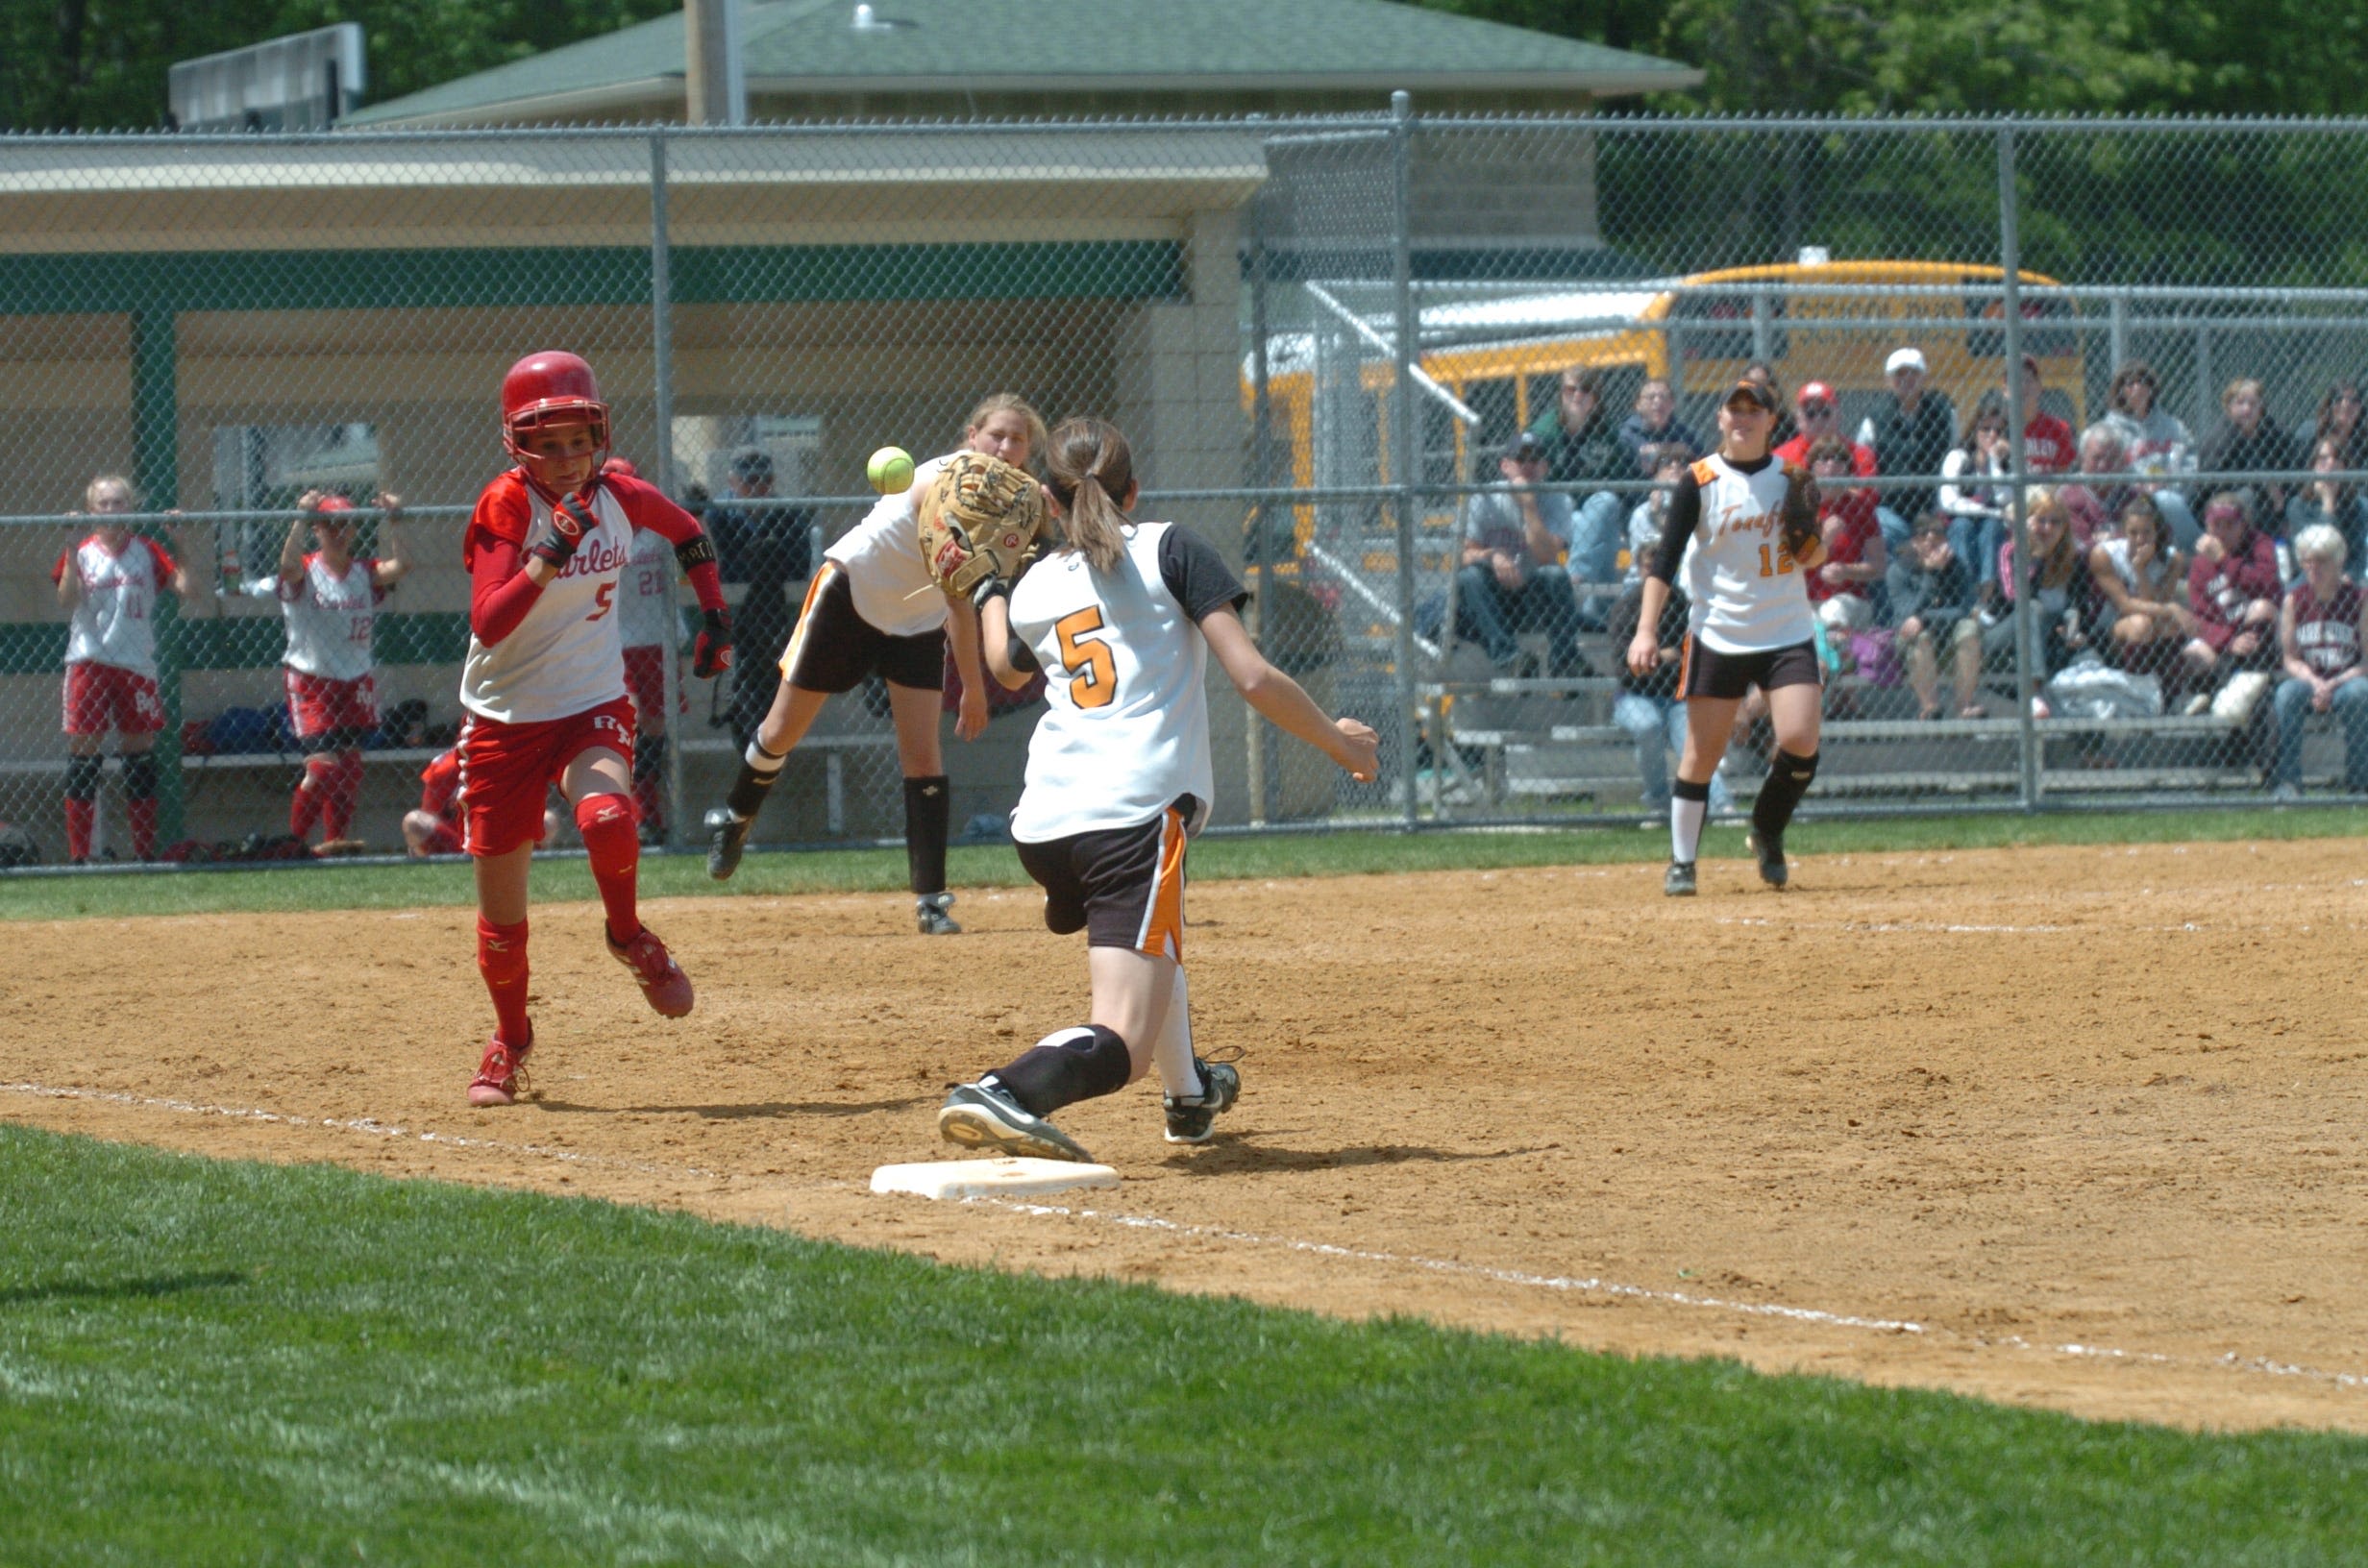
(1491, 363)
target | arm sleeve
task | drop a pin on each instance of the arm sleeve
(65, 560)
(499, 590)
(1684, 517)
(1196, 574)
(648, 509)
(166, 566)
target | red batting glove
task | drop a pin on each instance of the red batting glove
(711, 653)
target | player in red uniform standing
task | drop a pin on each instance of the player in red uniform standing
(645, 619)
(329, 600)
(544, 684)
(108, 581)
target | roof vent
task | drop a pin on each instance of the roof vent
(869, 20)
(1811, 256)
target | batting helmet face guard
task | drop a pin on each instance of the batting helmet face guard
(552, 387)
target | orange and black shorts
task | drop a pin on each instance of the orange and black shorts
(1702, 671)
(1124, 887)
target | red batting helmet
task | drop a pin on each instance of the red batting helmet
(552, 387)
(332, 504)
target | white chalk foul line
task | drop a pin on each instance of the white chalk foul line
(369, 1126)
(1578, 1286)
(372, 1127)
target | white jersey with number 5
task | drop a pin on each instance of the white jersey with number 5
(1127, 729)
(330, 619)
(1747, 593)
(565, 656)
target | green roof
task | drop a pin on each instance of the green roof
(1100, 46)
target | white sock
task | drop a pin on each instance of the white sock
(762, 759)
(1686, 828)
(1172, 1047)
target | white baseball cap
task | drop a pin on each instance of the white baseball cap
(1903, 359)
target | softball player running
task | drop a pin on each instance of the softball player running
(329, 600)
(646, 621)
(1122, 618)
(108, 581)
(544, 684)
(874, 608)
(1743, 529)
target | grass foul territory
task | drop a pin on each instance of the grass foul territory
(213, 1362)
(334, 886)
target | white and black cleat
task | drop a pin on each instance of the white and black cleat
(1192, 1119)
(983, 1117)
(1678, 881)
(728, 834)
(929, 912)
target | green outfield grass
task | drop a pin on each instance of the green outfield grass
(1280, 855)
(213, 1362)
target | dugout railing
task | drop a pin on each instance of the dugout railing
(230, 320)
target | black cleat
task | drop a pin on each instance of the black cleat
(1192, 1121)
(1677, 882)
(983, 1117)
(929, 910)
(727, 835)
(1771, 849)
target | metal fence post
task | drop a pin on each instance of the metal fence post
(2011, 304)
(1404, 457)
(662, 390)
(1261, 478)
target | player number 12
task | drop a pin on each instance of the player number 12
(1781, 563)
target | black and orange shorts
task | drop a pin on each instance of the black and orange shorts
(1124, 887)
(1702, 671)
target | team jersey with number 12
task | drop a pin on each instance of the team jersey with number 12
(1745, 592)
(1128, 727)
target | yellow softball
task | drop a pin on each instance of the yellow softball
(890, 470)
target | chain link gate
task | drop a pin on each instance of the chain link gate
(1324, 336)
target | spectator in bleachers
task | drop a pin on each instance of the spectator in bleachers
(1511, 582)
(2047, 441)
(2334, 504)
(1763, 372)
(329, 597)
(1648, 707)
(1932, 594)
(1655, 421)
(2234, 588)
(1912, 435)
(2248, 441)
(1819, 412)
(2141, 578)
(2338, 421)
(107, 579)
(2095, 507)
(1843, 588)
(1663, 462)
(1583, 447)
(648, 626)
(2319, 630)
(2064, 595)
(2153, 442)
(1974, 501)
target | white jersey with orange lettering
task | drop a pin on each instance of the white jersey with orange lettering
(1126, 729)
(115, 621)
(565, 656)
(330, 619)
(886, 576)
(1746, 593)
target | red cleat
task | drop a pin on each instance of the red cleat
(662, 980)
(500, 1076)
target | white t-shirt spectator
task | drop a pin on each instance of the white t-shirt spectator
(1493, 519)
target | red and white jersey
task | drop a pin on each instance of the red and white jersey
(566, 656)
(886, 577)
(116, 621)
(645, 597)
(330, 618)
(1745, 594)
(1126, 725)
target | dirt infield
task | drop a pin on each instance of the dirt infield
(2072, 1127)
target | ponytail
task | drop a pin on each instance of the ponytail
(1090, 466)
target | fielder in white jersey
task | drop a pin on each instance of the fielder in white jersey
(329, 597)
(1749, 625)
(108, 581)
(873, 609)
(1122, 619)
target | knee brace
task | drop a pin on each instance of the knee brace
(81, 778)
(139, 776)
(1800, 770)
(1066, 1066)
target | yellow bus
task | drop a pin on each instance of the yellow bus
(1490, 361)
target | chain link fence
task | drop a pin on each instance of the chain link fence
(1327, 337)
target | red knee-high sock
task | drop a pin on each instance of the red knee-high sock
(78, 818)
(611, 843)
(501, 959)
(344, 790)
(311, 798)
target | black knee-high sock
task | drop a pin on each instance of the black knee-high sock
(928, 817)
(1787, 780)
(1065, 1067)
(759, 771)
